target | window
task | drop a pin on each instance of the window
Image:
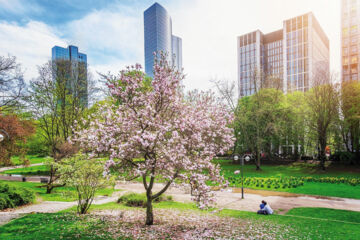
(353, 29)
(354, 49)
(354, 59)
(345, 51)
(345, 32)
(345, 61)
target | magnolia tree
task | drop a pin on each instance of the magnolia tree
(175, 137)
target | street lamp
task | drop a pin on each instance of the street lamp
(246, 158)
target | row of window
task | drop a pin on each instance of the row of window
(296, 23)
(351, 60)
(353, 30)
(352, 77)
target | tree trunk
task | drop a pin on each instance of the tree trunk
(49, 188)
(322, 157)
(149, 210)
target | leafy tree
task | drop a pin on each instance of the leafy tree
(12, 83)
(17, 131)
(258, 118)
(86, 176)
(323, 109)
(57, 99)
(350, 108)
(176, 137)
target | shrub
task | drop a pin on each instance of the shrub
(14, 196)
(346, 158)
(139, 200)
(86, 176)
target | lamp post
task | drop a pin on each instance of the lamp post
(246, 158)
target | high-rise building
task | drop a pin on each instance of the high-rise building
(176, 45)
(158, 37)
(76, 64)
(290, 56)
(350, 40)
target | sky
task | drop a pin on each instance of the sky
(111, 32)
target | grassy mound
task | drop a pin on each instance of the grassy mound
(139, 200)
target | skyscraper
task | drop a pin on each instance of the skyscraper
(158, 37)
(76, 65)
(176, 44)
(290, 55)
(350, 40)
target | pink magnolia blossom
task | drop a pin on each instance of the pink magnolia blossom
(237, 172)
(176, 135)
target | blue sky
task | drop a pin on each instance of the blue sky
(110, 32)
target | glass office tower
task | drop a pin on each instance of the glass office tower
(77, 71)
(176, 44)
(158, 37)
(350, 41)
(290, 55)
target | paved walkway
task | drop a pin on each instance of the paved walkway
(229, 198)
(251, 202)
(19, 166)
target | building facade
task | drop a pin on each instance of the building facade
(75, 64)
(350, 40)
(158, 37)
(286, 58)
(176, 45)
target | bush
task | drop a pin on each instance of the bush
(139, 200)
(14, 196)
(344, 158)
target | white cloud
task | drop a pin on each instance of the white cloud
(109, 36)
(31, 44)
(19, 6)
(113, 37)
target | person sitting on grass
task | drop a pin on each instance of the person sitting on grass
(265, 208)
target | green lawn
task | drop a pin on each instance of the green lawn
(326, 213)
(291, 170)
(32, 159)
(41, 170)
(301, 223)
(300, 170)
(64, 194)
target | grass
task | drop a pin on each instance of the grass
(307, 223)
(326, 213)
(328, 189)
(63, 194)
(41, 170)
(301, 170)
(292, 170)
(33, 159)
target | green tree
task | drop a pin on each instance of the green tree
(350, 108)
(258, 119)
(86, 176)
(323, 110)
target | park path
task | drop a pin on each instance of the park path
(19, 166)
(49, 207)
(231, 198)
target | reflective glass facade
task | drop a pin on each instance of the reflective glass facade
(291, 54)
(177, 52)
(350, 39)
(158, 37)
(78, 66)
